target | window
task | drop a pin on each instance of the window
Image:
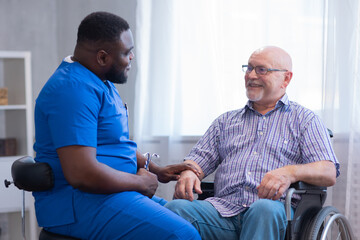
(196, 50)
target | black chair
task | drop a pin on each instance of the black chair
(31, 176)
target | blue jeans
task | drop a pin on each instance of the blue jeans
(264, 219)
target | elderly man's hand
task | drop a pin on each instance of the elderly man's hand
(188, 182)
(275, 183)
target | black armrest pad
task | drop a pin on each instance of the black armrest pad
(32, 176)
(205, 186)
(306, 186)
(207, 189)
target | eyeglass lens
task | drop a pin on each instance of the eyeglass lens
(258, 69)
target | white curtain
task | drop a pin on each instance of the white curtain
(189, 56)
(190, 53)
(341, 108)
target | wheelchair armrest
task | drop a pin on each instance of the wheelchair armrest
(207, 189)
(207, 186)
(32, 176)
(305, 186)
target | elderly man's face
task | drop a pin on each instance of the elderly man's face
(265, 89)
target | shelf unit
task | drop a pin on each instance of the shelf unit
(16, 121)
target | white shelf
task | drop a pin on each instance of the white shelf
(16, 121)
(14, 54)
(12, 107)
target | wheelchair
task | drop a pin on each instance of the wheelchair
(311, 221)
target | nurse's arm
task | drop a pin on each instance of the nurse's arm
(167, 173)
(82, 170)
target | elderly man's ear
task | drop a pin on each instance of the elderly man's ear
(287, 79)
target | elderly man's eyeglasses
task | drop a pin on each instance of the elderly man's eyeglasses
(260, 70)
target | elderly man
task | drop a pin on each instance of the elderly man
(102, 190)
(258, 152)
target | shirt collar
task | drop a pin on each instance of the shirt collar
(284, 100)
(68, 59)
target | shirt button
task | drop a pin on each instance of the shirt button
(255, 153)
(261, 133)
(244, 205)
(264, 117)
(285, 142)
(249, 173)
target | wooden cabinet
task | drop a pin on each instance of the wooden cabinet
(16, 122)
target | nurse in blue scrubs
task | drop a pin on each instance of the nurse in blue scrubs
(102, 190)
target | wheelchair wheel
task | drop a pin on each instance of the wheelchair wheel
(329, 224)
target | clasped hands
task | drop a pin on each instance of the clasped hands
(163, 175)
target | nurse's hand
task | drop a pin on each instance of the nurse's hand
(149, 182)
(172, 172)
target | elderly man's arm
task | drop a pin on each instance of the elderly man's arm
(276, 182)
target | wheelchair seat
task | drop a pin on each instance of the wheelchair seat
(32, 176)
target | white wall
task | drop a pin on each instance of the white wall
(31, 26)
(48, 29)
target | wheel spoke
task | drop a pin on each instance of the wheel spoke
(338, 236)
(329, 224)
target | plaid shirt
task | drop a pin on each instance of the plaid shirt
(244, 145)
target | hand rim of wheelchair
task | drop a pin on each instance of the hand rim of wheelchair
(317, 229)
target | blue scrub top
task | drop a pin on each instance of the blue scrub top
(76, 108)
